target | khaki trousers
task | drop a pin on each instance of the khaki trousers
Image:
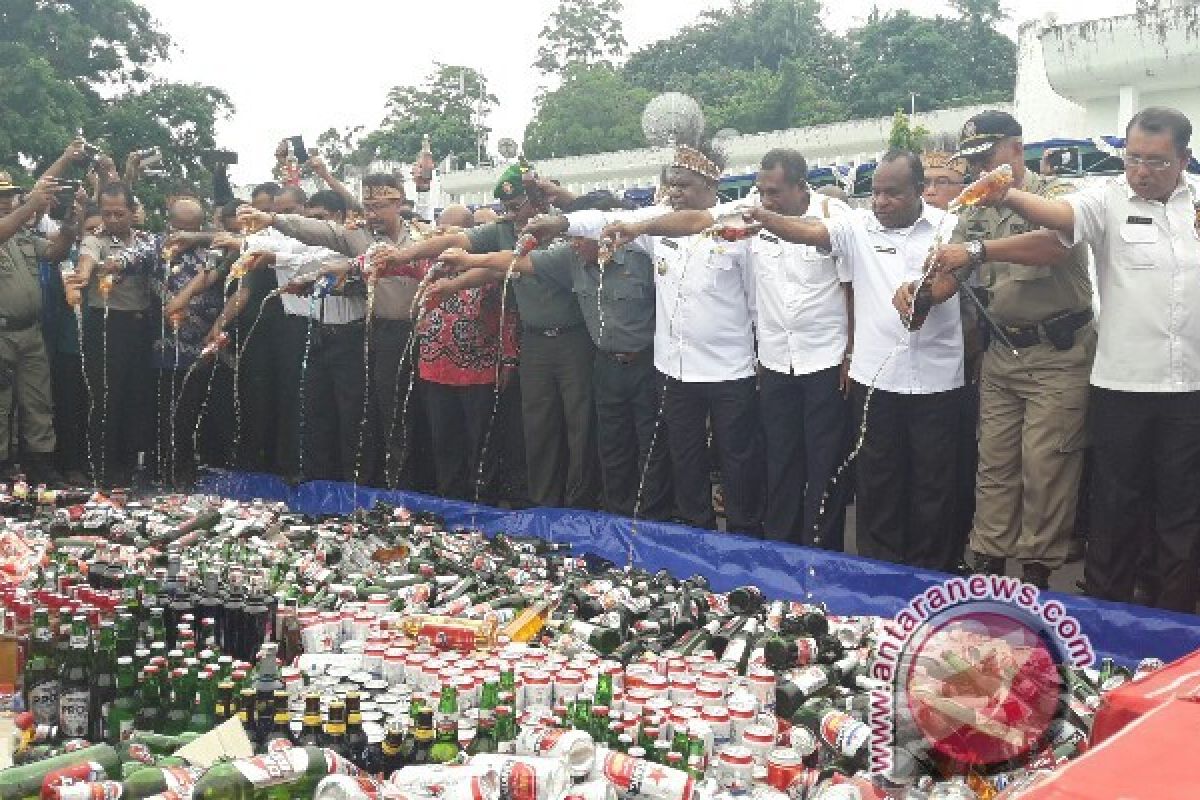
(1032, 413)
(25, 377)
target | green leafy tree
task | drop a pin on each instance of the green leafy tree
(580, 32)
(595, 110)
(948, 62)
(906, 136)
(54, 58)
(341, 148)
(726, 52)
(449, 105)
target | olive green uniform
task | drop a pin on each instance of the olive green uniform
(1032, 407)
(24, 367)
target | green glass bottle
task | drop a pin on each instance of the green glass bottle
(41, 672)
(104, 681)
(506, 731)
(126, 634)
(604, 690)
(150, 712)
(445, 747)
(581, 715)
(282, 775)
(75, 695)
(203, 717)
(182, 693)
(122, 712)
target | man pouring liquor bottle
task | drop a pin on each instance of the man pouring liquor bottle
(1031, 405)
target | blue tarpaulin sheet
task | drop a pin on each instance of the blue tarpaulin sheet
(846, 584)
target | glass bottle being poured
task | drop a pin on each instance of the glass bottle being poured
(986, 184)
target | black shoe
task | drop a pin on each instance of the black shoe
(42, 470)
(1036, 574)
(988, 565)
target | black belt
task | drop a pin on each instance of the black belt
(550, 333)
(625, 358)
(1030, 335)
(16, 325)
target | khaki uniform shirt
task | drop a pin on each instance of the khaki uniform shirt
(130, 292)
(1018, 294)
(20, 286)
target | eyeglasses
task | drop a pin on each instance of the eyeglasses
(1155, 164)
(943, 182)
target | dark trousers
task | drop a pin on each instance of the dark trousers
(733, 408)
(458, 421)
(1146, 466)
(325, 412)
(124, 425)
(968, 466)
(70, 412)
(627, 402)
(397, 448)
(805, 420)
(259, 384)
(907, 470)
(180, 405)
(556, 406)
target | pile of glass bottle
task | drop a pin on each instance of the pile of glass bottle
(379, 655)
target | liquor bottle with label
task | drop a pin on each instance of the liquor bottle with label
(741, 644)
(356, 737)
(335, 729)
(122, 711)
(41, 672)
(801, 686)
(75, 692)
(788, 652)
(445, 747)
(151, 781)
(126, 634)
(746, 600)
(390, 754)
(603, 640)
(290, 773)
(423, 736)
(311, 734)
(203, 717)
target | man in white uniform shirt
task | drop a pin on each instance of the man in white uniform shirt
(802, 304)
(906, 467)
(703, 346)
(1145, 399)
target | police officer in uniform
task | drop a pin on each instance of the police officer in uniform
(616, 300)
(1032, 405)
(24, 366)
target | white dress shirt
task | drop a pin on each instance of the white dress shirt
(1147, 257)
(704, 299)
(800, 301)
(878, 260)
(293, 258)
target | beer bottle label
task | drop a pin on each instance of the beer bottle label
(43, 702)
(73, 712)
(844, 733)
(273, 769)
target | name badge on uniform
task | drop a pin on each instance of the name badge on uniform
(1139, 221)
(671, 243)
(769, 238)
(660, 266)
(888, 250)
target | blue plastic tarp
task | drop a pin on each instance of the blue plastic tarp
(846, 584)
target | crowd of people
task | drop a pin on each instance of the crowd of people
(765, 361)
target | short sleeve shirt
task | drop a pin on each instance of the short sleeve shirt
(131, 292)
(20, 284)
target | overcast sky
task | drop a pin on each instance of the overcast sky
(302, 66)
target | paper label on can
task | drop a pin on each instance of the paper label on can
(618, 769)
(73, 713)
(180, 779)
(43, 702)
(843, 732)
(518, 781)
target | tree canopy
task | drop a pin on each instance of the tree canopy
(772, 64)
(59, 65)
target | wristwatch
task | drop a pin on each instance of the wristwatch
(976, 252)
